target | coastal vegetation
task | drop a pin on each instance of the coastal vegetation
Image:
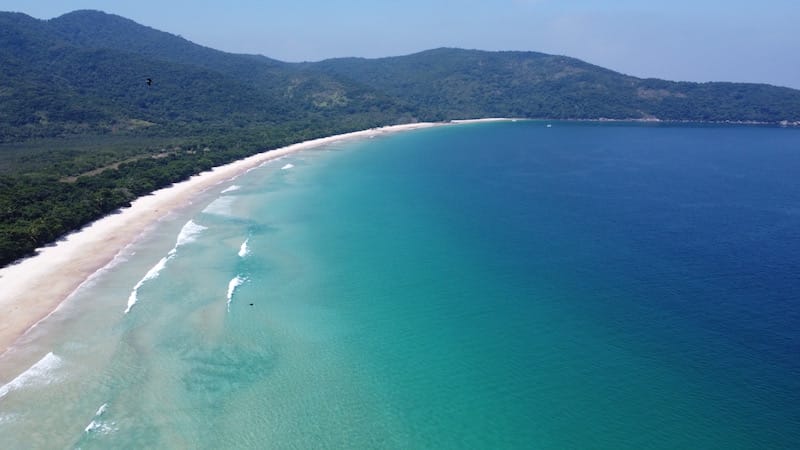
(82, 134)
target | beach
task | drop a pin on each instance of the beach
(33, 288)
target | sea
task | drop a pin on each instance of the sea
(517, 284)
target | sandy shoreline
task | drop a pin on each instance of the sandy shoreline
(34, 287)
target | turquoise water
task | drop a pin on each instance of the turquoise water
(502, 285)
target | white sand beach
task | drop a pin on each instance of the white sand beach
(33, 288)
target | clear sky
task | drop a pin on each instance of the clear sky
(693, 40)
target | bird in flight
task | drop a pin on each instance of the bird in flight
(149, 81)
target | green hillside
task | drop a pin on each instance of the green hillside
(82, 134)
(447, 83)
(85, 72)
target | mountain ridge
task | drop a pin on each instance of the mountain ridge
(73, 57)
(82, 134)
(592, 92)
(57, 70)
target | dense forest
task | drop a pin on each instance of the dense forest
(82, 133)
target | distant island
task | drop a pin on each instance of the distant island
(97, 110)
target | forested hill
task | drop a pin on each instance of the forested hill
(82, 133)
(85, 71)
(446, 83)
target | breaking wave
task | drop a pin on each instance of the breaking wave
(150, 275)
(99, 426)
(41, 373)
(231, 189)
(232, 285)
(188, 234)
(244, 250)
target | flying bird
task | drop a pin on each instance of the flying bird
(149, 81)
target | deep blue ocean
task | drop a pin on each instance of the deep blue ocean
(492, 285)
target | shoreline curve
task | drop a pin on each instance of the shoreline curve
(33, 288)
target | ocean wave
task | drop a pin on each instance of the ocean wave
(287, 166)
(90, 281)
(232, 188)
(188, 234)
(99, 426)
(101, 410)
(41, 373)
(232, 285)
(244, 250)
(267, 163)
(151, 274)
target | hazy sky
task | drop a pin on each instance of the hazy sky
(694, 40)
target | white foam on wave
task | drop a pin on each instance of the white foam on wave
(287, 166)
(41, 373)
(99, 426)
(244, 250)
(266, 163)
(188, 234)
(120, 257)
(101, 410)
(232, 285)
(235, 187)
(151, 274)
